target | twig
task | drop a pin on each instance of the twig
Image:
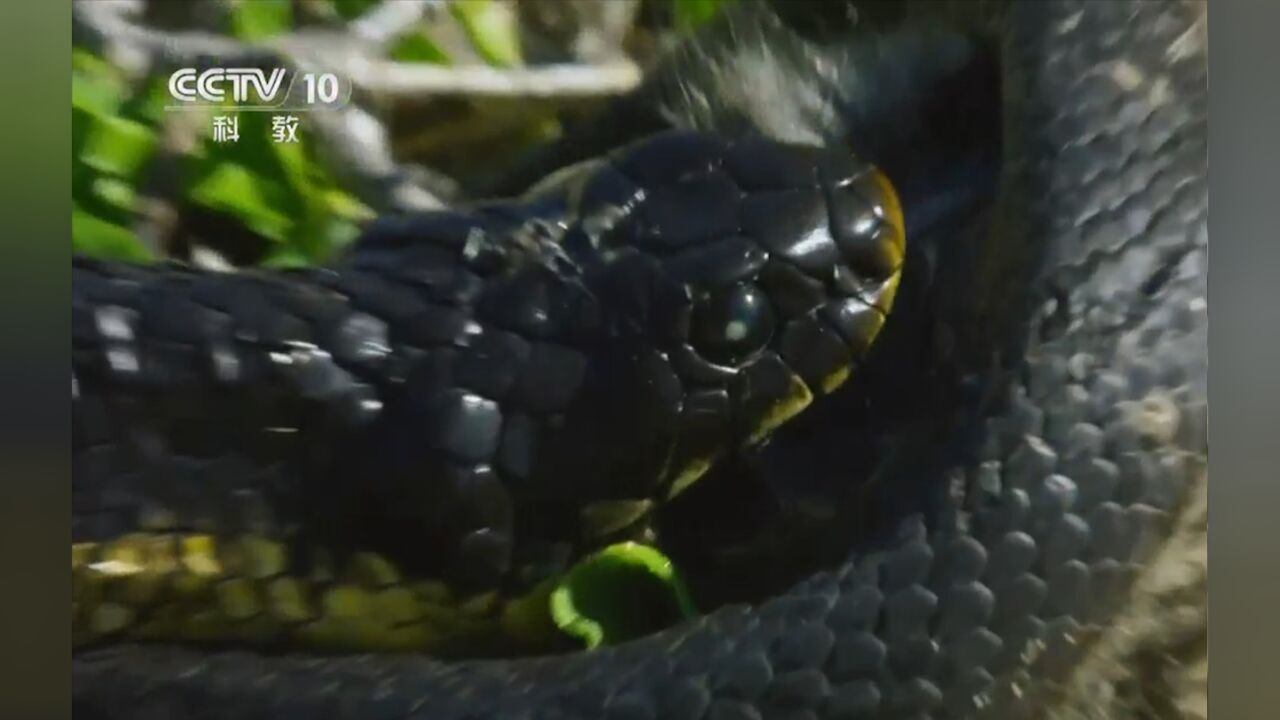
(390, 19)
(104, 22)
(356, 141)
(545, 81)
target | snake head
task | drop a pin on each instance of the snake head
(748, 275)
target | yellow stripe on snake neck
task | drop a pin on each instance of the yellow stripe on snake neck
(197, 588)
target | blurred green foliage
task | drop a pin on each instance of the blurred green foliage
(690, 13)
(279, 192)
(111, 141)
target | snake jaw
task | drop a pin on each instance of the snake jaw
(792, 403)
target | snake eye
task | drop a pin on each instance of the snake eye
(732, 324)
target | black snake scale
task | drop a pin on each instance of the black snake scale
(1088, 458)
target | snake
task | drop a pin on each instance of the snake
(963, 254)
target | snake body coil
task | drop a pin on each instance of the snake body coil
(1083, 314)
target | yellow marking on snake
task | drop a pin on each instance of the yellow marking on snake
(195, 588)
(198, 556)
(690, 474)
(798, 397)
(891, 240)
(836, 378)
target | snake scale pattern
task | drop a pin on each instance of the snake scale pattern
(1083, 316)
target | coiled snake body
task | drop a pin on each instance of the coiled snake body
(1051, 467)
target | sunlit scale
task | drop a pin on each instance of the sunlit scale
(195, 588)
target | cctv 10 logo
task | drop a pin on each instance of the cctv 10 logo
(255, 88)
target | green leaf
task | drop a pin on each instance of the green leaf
(492, 28)
(82, 122)
(95, 236)
(337, 235)
(346, 206)
(84, 61)
(95, 86)
(621, 592)
(260, 18)
(291, 159)
(235, 189)
(308, 182)
(286, 258)
(117, 146)
(148, 105)
(115, 193)
(265, 160)
(417, 47)
(99, 95)
(352, 9)
(691, 13)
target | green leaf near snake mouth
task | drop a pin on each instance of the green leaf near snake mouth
(621, 592)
